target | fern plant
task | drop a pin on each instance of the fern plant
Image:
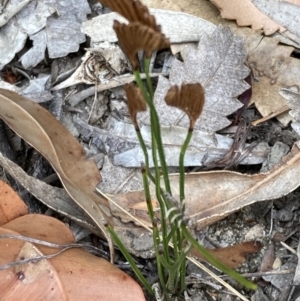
(172, 227)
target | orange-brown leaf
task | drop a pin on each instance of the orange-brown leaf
(11, 206)
(233, 256)
(73, 275)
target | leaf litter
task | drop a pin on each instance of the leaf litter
(212, 133)
(54, 25)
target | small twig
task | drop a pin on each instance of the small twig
(261, 274)
(18, 70)
(288, 248)
(118, 81)
(64, 247)
(271, 222)
(94, 103)
(238, 151)
(274, 114)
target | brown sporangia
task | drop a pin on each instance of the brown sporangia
(135, 101)
(133, 11)
(189, 98)
(141, 34)
(136, 37)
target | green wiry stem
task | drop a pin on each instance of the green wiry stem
(164, 228)
(156, 238)
(182, 275)
(216, 262)
(156, 146)
(147, 194)
(130, 259)
(181, 164)
(148, 78)
(174, 272)
(156, 130)
(144, 149)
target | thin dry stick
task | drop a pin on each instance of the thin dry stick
(274, 114)
(94, 102)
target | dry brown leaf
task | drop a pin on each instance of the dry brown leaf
(11, 206)
(232, 256)
(53, 197)
(246, 14)
(41, 130)
(268, 101)
(203, 9)
(73, 275)
(211, 196)
(138, 243)
(274, 68)
(221, 193)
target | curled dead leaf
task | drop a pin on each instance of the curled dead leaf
(73, 275)
(41, 130)
(11, 206)
(211, 196)
(232, 256)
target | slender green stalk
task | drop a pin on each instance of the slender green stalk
(148, 78)
(181, 164)
(144, 149)
(174, 272)
(155, 133)
(182, 273)
(156, 238)
(160, 269)
(129, 259)
(156, 129)
(147, 194)
(164, 227)
(216, 262)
